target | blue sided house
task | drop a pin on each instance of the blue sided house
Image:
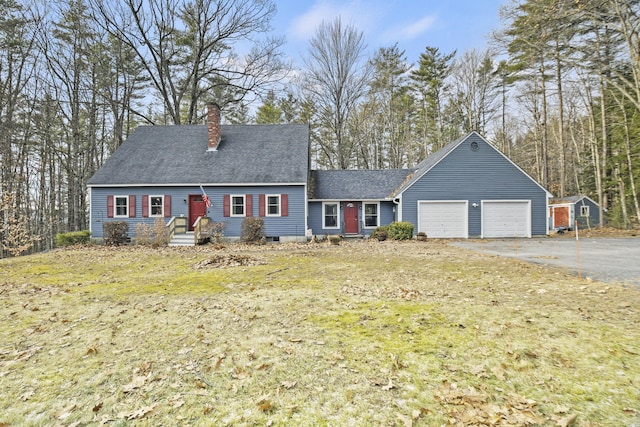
(226, 173)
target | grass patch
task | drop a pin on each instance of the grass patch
(366, 333)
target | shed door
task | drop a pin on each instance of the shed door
(443, 219)
(506, 218)
(561, 216)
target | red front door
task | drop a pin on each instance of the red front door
(351, 218)
(196, 208)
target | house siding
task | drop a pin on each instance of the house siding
(483, 174)
(292, 225)
(386, 213)
(593, 220)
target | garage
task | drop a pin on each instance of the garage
(443, 218)
(506, 218)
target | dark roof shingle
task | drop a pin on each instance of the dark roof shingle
(247, 154)
(363, 184)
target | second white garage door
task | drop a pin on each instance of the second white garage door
(443, 218)
(506, 218)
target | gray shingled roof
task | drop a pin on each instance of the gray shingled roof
(247, 154)
(356, 184)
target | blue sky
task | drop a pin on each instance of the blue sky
(413, 24)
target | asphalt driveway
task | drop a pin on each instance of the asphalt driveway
(612, 260)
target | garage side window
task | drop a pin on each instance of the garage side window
(584, 210)
(330, 217)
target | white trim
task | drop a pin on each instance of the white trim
(337, 226)
(161, 215)
(115, 206)
(266, 205)
(428, 202)
(230, 184)
(364, 215)
(244, 205)
(482, 214)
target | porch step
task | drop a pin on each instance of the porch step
(182, 239)
(352, 236)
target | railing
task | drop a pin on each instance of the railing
(200, 229)
(177, 224)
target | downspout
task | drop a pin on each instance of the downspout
(398, 202)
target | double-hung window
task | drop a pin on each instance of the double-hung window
(121, 204)
(273, 205)
(371, 215)
(156, 206)
(330, 215)
(238, 205)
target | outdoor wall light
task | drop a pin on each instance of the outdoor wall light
(185, 201)
(475, 205)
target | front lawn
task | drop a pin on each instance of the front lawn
(364, 333)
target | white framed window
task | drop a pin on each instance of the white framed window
(121, 206)
(156, 206)
(584, 210)
(238, 205)
(371, 215)
(272, 207)
(330, 215)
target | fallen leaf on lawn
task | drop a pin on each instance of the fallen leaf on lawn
(264, 405)
(567, 421)
(97, 407)
(389, 386)
(201, 384)
(27, 395)
(295, 340)
(135, 383)
(288, 384)
(65, 412)
(142, 412)
(92, 351)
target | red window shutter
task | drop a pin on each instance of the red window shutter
(167, 205)
(261, 205)
(145, 206)
(249, 205)
(109, 206)
(132, 206)
(284, 205)
(226, 205)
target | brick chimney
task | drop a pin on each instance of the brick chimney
(214, 132)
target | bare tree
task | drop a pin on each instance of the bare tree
(336, 78)
(187, 49)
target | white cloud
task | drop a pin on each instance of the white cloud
(356, 13)
(410, 31)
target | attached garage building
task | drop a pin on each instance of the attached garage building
(470, 189)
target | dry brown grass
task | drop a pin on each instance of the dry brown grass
(362, 333)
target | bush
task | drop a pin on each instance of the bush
(155, 235)
(115, 233)
(252, 230)
(73, 238)
(401, 230)
(215, 231)
(380, 233)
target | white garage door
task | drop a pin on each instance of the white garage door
(443, 219)
(506, 218)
